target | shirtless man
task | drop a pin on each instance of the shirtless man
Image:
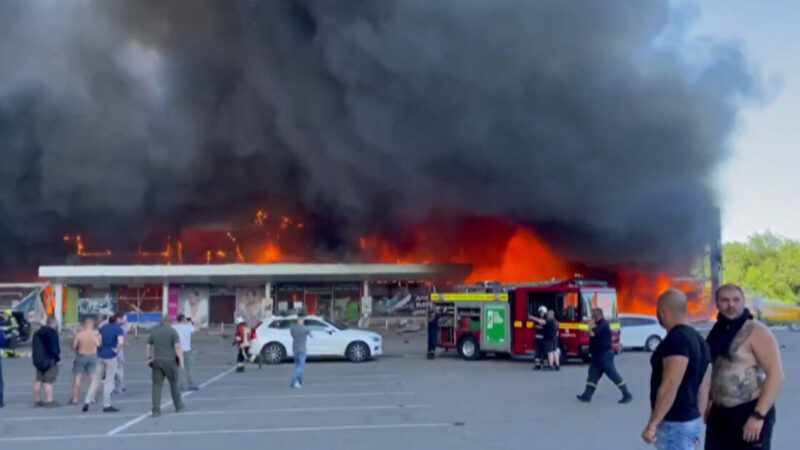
(745, 378)
(85, 344)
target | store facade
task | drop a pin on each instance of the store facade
(215, 294)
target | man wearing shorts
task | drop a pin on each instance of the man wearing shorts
(111, 341)
(549, 340)
(46, 355)
(85, 343)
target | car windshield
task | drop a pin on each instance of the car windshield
(339, 325)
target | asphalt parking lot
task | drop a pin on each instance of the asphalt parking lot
(399, 401)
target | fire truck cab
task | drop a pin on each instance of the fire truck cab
(495, 318)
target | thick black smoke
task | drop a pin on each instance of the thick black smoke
(593, 122)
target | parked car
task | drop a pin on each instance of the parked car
(641, 331)
(272, 341)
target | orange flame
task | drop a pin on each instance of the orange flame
(272, 254)
(525, 258)
(239, 255)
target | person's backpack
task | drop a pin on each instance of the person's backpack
(41, 360)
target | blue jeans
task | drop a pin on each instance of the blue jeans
(678, 435)
(299, 365)
(1, 378)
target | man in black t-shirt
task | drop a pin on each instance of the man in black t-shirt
(547, 328)
(680, 379)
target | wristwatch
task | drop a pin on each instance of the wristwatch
(757, 415)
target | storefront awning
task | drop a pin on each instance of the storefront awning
(237, 274)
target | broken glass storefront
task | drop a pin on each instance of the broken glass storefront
(337, 302)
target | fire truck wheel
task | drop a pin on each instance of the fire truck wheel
(273, 353)
(357, 352)
(651, 343)
(468, 348)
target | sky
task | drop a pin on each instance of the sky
(759, 185)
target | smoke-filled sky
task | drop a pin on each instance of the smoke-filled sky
(597, 125)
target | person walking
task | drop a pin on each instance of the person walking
(85, 344)
(746, 376)
(299, 333)
(119, 375)
(3, 344)
(433, 331)
(600, 349)
(680, 379)
(242, 342)
(111, 342)
(185, 330)
(46, 354)
(165, 357)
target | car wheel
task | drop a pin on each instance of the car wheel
(273, 353)
(468, 348)
(357, 352)
(651, 343)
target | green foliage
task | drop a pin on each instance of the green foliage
(766, 265)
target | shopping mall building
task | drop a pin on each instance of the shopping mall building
(215, 294)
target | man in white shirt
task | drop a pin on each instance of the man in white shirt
(185, 330)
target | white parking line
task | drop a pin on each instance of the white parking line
(88, 417)
(93, 417)
(294, 395)
(133, 422)
(231, 431)
(248, 379)
(309, 385)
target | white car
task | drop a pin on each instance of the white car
(273, 341)
(641, 331)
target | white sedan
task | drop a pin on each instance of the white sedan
(273, 341)
(641, 331)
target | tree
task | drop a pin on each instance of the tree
(766, 265)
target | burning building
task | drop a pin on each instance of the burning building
(215, 294)
(528, 139)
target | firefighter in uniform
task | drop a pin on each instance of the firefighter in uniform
(602, 354)
(11, 334)
(433, 331)
(242, 343)
(540, 358)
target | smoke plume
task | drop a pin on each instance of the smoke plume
(596, 124)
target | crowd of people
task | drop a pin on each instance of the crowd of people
(729, 380)
(99, 351)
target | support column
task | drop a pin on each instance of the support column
(165, 299)
(366, 306)
(268, 305)
(58, 308)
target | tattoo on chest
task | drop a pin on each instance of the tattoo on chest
(735, 382)
(742, 336)
(731, 387)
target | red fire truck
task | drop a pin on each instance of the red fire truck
(496, 318)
